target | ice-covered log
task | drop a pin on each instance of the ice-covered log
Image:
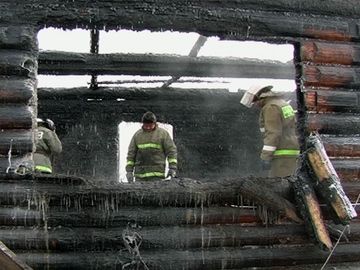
(65, 63)
(16, 90)
(224, 258)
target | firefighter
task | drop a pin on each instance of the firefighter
(277, 124)
(148, 150)
(47, 145)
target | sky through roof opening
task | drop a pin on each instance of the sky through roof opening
(170, 43)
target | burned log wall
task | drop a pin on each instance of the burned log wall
(214, 135)
(331, 89)
(18, 71)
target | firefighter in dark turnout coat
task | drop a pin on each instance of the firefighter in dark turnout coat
(277, 124)
(148, 150)
(48, 144)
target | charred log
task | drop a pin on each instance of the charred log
(16, 90)
(330, 53)
(16, 117)
(18, 63)
(18, 37)
(16, 141)
(345, 124)
(64, 63)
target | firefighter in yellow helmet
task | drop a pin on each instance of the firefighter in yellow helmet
(277, 124)
(148, 150)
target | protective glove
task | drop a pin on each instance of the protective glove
(130, 177)
(266, 165)
(171, 173)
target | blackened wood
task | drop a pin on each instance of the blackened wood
(340, 123)
(208, 18)
(342, 146)
(180, 192)
(328, 182)
(16, 90)
(330, 53)
(65, 63)
(195, 259)
(68, 215)
(18, 141)
(154, 238)
(332, 101)
(16, 117)
(331, 76)
(9, 261)
(18, 63)
(310, 211)
(348, 170)
(20, 37)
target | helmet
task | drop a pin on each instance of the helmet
(255, 92)
(149, 117)
(47, 123)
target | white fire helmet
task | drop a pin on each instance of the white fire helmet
(248, 97)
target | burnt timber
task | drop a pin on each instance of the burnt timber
(326, 60)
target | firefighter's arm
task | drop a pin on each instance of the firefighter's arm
(131, 156)
(53, 142)
(273, 131)
(170, 151)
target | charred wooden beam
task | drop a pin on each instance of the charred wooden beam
(65, 63)
(16, 141)
(188, 193)
(345, 124)
(330, 53)
(16, 117)
(142, 216)
(9, 261)
(331, 76)
(342, 146)
(348, 170)
(197, 259)
(155, 238)
(18, 63)
(17, 90)
(209, 18)
(332, 101)
(328, 183)
(18, 37)
(9, 163)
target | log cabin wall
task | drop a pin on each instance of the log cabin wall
(18, 102)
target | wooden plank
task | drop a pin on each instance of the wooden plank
(18, 37)
(330, 53)
(332, 101)
(327, 181)
(18, 140)
(16, 90)
(196, 259)
(330, 76)
(338, 124)
(9, 261)
(16, 117)
(65, 63)
(208, 18)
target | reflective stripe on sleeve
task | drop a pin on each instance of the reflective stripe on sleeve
(269, 148)
(287, 152)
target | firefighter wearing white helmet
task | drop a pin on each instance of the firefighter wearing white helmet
(277, 124)
(47, 145)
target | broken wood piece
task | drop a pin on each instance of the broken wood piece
(9, 261)
(328, 183)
